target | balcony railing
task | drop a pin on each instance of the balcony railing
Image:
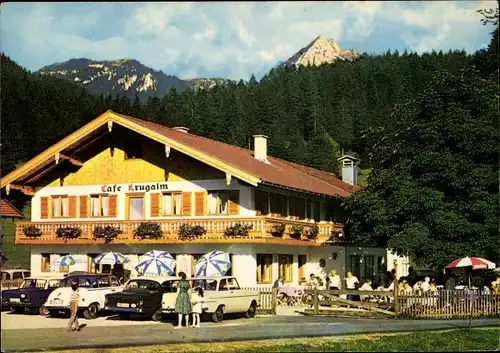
(263, 230)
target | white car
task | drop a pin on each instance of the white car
(92, 288)
(221, 295)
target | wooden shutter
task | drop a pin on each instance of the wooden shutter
(199, 203)
(234, 202)
(44, 207)
(186, 204)
(112, 205)
(155, 204)
(72, 206)
(83, 207)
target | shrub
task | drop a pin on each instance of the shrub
(68, 232)
(190, 232)
(107, 233)
(148, 230)
(32, 231)
(238, 230)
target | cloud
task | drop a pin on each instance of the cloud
(231, 40)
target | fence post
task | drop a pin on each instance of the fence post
(316, 301)
(396, 299)
(274, 301)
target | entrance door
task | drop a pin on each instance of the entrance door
(136, 207)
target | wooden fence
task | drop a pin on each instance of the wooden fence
(436, 305)
(267, 300)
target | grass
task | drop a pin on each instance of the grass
(434, 341)
(18, 256)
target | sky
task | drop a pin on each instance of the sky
(230, 39)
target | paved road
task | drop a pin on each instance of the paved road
(229, 330)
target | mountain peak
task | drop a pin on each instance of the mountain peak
(320, 51)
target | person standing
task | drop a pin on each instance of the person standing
(196, 301)
(335, 282)
(351, 282)
(73, 308)
(183, 301)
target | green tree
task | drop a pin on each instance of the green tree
(433, 190)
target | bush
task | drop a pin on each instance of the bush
(238, 230)
(189, 232)
(68, 232)
(32, 231)
(148, 230)
(107, 233)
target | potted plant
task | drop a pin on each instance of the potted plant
(296, 231)
(238, 230)
(190, 232)
(279, 230)
(313, 232)
(148, 230)
(32, 231)
(107, 233)
(68, 232)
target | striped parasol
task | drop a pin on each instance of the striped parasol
(155, 263)
(110, 258)
(476, 263)
(215, 263)
(66, 260)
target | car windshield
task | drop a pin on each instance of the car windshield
(205, 284)
(143, 284)
(33, 283)
(85, 282)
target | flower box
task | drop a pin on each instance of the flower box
(238, 230)
(107, 233)
(32, 231)
(148, 230)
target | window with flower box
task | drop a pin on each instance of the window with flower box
(218, 202)
(171, 203)
(59, 206)
(99, 205)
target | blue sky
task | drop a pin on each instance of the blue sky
(230, 39)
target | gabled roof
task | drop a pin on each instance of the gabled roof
(8, 210)
(235, 161)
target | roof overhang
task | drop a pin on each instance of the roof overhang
(56, 155)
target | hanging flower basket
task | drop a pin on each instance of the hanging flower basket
(190, 232)
(313, 232)
(148, 230)
(107, 233)
(279, 230)
(32, 231)
(68, 232)
(296, 231)
(238, 230)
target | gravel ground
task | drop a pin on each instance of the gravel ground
(12, 321)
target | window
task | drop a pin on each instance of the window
(302, 267)
(5, 276)
(45, 262)
(104, 281)
(60, 206)
(136, 207)
(99, 205)
(317, 211)
(369, 267)
(171, 203)
(115, 282)
(63, 268)
(264, 268)
(26, 274)
(355, 266)
(91, 266)
(381, 267)
(217, 202)
(133, 149)
(261, 202)
(309, 209)
(297, 207)
(279, 204)
(285, 266)
(17, 275)
(54, 283)
(228, 284)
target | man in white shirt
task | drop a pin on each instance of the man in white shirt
(351, 284)
(335, 281)
(366, 286)
(426, 286)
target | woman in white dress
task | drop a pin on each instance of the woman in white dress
(196, 301)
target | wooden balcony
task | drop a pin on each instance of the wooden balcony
(263, 231)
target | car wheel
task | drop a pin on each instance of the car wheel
(18, 310)
(92, 311)
(43, 311)
(157, 316)
(218, 315)
(124, 316)
(251, 310)
(54, 313)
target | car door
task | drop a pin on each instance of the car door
(106, 287)
(224, 296)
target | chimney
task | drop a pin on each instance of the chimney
(181, 129)
(260, 148)
(349, 169)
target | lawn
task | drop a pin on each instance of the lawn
(18, 256)
(434, 341)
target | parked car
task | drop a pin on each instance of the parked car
(222, 295)
(11, 278)
(93, 289)
(142, 296)
(31, 294)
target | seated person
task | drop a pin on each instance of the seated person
(312, 282)
(366, 286)
(279, 283)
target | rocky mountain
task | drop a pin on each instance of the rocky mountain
(125, 76)
(207, 83)
(318, 52)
